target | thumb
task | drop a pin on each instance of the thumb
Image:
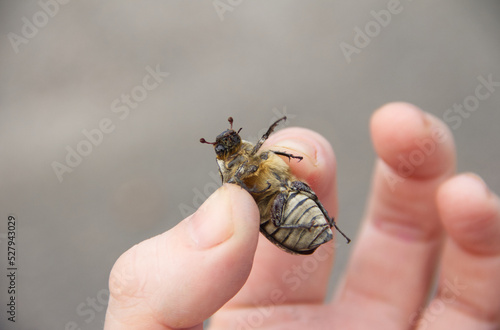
(181, 277)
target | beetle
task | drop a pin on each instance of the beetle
(291, 215)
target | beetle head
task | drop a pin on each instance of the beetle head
(227, 142)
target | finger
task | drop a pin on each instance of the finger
(468, 294)
(181, 277)
(278, 277)
(392, 264)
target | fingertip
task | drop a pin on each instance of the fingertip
(398, 113)
(230, 221)
(206, 233)
(243, 206)
(462, 189)
(318, 167)
(394, 116)
(246, 217)
(229, 210)
(470, 213)
(412, 142)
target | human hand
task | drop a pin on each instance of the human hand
(421, 219)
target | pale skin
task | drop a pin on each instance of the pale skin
(420, 224)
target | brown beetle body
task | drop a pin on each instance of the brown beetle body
(291, 216)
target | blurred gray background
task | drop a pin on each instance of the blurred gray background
(66, 69)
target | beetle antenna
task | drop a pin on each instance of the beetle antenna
(230, 120)
(202, 140)
(239, 130)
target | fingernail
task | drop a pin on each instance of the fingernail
(297, 146)
(212, 223)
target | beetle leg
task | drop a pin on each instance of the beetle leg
(244, 170)
(278, 208)
(236, 160)
(306, 190)
(252, 190)
(255, 191)
(265, 136)
(290, 156)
